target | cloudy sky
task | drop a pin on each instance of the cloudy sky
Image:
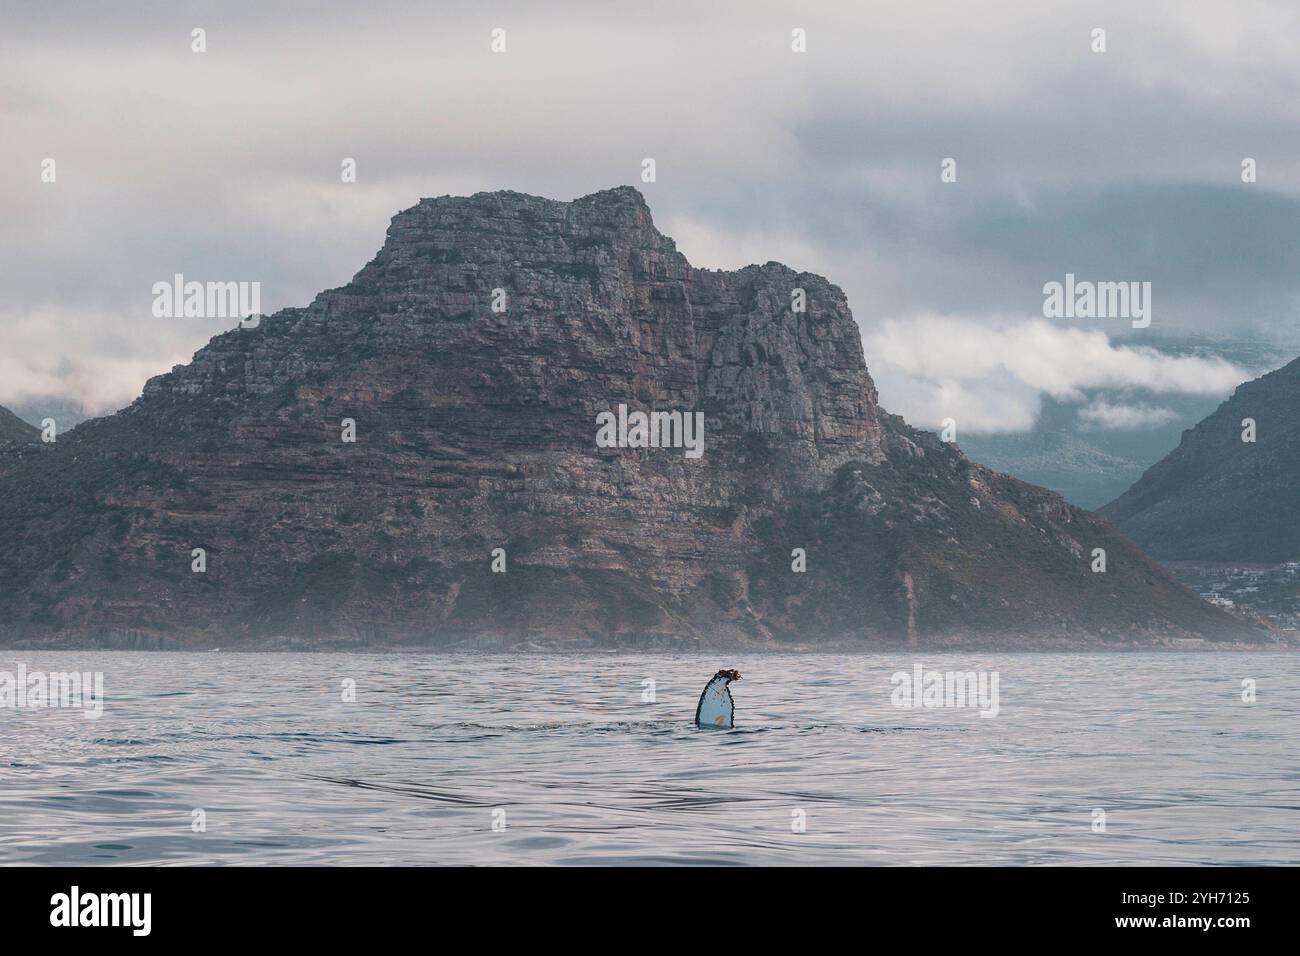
(1123, 165)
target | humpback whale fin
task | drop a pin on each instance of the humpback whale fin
(716, 708)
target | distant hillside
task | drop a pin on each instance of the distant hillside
(1076, 466)
(13, 428)
(1216, 498)
(67, 413)
(1089, 465)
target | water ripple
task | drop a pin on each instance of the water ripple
(258, 758)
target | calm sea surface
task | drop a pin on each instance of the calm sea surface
(562, 754)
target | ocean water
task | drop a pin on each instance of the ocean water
(525, 759)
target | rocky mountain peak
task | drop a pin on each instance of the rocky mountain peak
(417, 458)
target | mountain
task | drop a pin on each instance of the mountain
(1216, 498)
(1086, 468)
(474, 355)
(13, 428)
(1090, 463)
(66, 413)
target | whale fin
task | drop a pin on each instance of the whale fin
(716, 709)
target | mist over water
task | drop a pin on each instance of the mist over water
(586, 772)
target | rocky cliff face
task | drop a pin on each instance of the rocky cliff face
(476, 430)
(1217, 498)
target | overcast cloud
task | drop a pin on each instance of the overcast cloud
(225, 165)
(989, 374)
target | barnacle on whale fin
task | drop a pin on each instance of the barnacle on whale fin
(716, 708)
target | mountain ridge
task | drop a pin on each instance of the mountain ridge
(13, 428)
(475, 432)
(1217, 498)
